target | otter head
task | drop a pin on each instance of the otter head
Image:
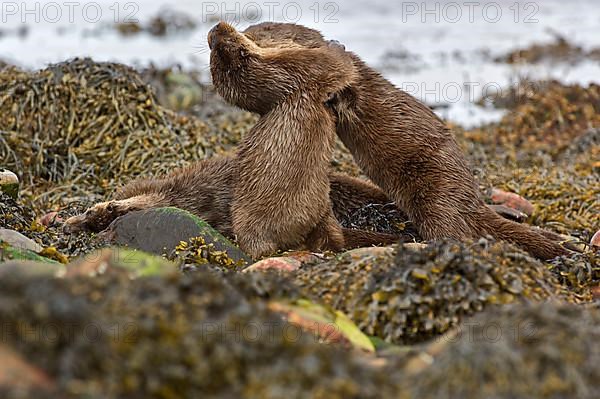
(259, 78)
(94, 219)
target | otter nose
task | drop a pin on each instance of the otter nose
(214, 34)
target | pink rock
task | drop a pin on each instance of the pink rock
(596, 293)
(511, 200)
(50, 219)
(16, 372)
(284, 264)
(595, 242)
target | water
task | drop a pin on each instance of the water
(443, 50)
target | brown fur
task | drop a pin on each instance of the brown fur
(409, 152)
(205, 189)
(281, 200)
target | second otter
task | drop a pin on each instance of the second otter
(410, 153)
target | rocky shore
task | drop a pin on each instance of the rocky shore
(166, 307)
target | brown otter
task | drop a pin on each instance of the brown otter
(281, 200)
(205, 189)
(409, 152)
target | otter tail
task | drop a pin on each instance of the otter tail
(354, 238)
(541, 245)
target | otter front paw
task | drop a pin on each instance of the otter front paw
(257, 248)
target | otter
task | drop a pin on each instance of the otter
(205, 188)
(408, 151)
(281, 199)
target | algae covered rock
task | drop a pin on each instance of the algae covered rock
(407, 295)
(164, 230)
(132, 263)
(8, 253)
(197, 335)
(533, 351)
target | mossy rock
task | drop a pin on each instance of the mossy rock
(196, 335)
(406, 296)
(121, 260)
(523, 351)
(9, 253)
(160, 231)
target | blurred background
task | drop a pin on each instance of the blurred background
(448, 53)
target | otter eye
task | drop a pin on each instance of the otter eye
(110, 208)
(243, 53)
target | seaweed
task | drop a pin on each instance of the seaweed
(413, 295)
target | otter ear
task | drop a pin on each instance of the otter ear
(244, 53)
(331, 99)
(336, 45)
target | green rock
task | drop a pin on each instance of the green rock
(8, 253)
(134, 263)
(160, 231)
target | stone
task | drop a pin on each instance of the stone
(282, 264)
(29, 268)
(18, 240)
(18, 373)
(51, 219)
(9, 253)
(159, 231)
(595, 241)
(331, 326)
(120, 261)
(9, 183)
(511, 200)
(290, 262)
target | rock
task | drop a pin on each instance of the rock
(370, 252)
(282, 264)
(596, 293)
(120, 261)
(30, 268)
(159, 231)
(51, 219)
(8, 253)
(511, 200)
(288, 263)
(595, 241)
(331, 326)
(18, 240)
(17, 373)
(509, 213)
(9, 183)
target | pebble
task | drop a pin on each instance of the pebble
(9, 183)
(283, 264)
(595, 241)
(511, 200)
(16, 372)
(51, 219)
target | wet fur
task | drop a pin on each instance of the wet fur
(409, 152)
